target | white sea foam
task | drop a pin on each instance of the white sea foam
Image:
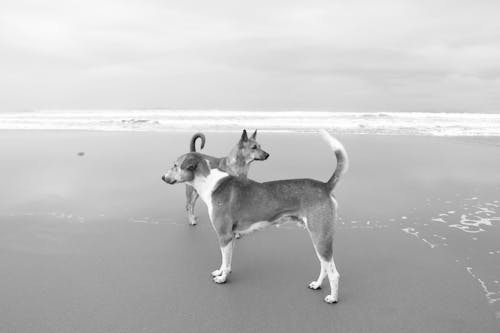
(412, 123)
(491, 296)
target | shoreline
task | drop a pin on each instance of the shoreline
(380, 123)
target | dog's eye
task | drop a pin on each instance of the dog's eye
(254, 147)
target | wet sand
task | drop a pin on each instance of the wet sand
(98, 243)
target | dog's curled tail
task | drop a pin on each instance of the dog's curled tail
(193, 141)
(340, 154)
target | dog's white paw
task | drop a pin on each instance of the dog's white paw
(330, 299)
(237, 236)
(315, 285)
(221, 278)
(217, 272)
(193, 220)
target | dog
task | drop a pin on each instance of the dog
(239, 205)
(237, 163)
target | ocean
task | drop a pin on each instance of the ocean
(384, 123)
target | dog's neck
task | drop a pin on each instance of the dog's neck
(235, 164)
(206, 184)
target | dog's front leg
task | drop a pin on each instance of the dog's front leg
(191, 197)
(226, 250)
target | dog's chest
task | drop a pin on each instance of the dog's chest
(206, 185)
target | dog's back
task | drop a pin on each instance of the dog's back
(247, 201)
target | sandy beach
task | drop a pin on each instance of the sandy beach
(91, 239)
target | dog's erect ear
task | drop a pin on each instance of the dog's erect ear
(244, 136)
(254, 135)
(189, 164)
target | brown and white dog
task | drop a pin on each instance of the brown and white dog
(237, 164)
(239, 205)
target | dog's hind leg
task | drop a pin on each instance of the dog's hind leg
(329, 269)
(191, 197)
(333, 277)
(322, 238)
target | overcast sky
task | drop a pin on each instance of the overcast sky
(351, 55)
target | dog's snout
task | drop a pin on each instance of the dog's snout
(168, 180)
(266, 155)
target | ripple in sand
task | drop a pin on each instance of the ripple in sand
(415, 233)
(484, 215)
(473, 216)
(362, 225)
(154, 221)
(73, 218)
(474, 223)
(491, 296)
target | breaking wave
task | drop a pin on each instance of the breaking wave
(387, 123)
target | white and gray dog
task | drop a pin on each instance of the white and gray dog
(237, 206)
